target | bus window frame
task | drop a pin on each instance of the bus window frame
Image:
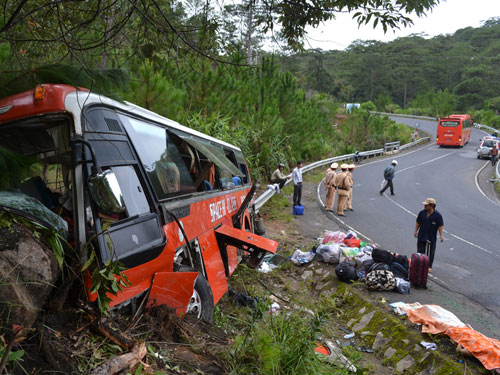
(181, 134)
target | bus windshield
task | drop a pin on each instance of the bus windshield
(449, 124)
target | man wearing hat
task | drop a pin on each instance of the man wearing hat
(388, 176)
(429, 222)
(350, 170)
(344, 183)
(278, 177)
(331, 173)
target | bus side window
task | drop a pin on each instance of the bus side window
(242, 166)
(169, 162)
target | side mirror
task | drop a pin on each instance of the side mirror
(106, 193)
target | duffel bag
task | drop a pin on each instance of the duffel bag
(383, 256)
(379, 267)
(399, 270)
(380, 280)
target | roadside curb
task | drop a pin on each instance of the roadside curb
(397, 343)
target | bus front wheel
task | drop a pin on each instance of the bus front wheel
(201, 303)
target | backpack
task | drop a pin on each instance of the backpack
(380, 280)
(399, 270)
(383, 256)
(403, 260)
(346, 272)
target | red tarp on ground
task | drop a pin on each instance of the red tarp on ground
(435, 319)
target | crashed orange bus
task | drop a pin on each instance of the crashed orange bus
(168, 202)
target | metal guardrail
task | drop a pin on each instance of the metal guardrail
(265, 196)
(391, 146)
(480, 126)
(403, 115)
(411, 144)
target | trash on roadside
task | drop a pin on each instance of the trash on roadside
(435, 320)
(402, 286)
(347, 343)
(346, 272)
(428, 345)
(300, 258)
(351, 234)
(333, 237)
(364, 349)
(274, 307)
(349, 336)
(336, 356)
(242, 299)
(328, 253)
(268, 263)
(400, 308)
(266, 267)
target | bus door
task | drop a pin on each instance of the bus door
(122, 222)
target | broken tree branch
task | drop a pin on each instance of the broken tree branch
(119, 363)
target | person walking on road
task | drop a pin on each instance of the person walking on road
(297, 184)
(389, 176)
(494, 154)
(350, 170)
(344, 183)
(278, 177)
(331, 173)
(429, 222)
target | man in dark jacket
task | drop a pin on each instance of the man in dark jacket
(389, 176)
(429, 222)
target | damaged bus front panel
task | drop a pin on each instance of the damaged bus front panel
(161, 198)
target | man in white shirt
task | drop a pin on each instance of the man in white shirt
(297, 184)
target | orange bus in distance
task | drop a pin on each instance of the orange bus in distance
(454, 130)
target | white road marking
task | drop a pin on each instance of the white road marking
(476, 180)
(445, 231)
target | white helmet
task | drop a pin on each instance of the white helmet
(395, 162)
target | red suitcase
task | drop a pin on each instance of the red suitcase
(419, 269)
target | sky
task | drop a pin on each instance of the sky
(446, 18)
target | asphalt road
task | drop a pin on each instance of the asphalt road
(468, 261)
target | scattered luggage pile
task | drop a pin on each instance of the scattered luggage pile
(355, 259)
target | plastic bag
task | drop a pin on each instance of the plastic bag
(350, 251)
(363, 260)
(328, 253)
(402, 286)
(299, 257)
(352, 242)
(333, 237)
(351, 234)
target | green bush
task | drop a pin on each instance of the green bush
(279, 344)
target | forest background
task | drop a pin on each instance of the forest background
(210, 68)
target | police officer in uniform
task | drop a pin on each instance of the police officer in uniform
(331, 173)
(344, 183)
(350, 170)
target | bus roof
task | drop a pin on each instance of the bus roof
(65, 98)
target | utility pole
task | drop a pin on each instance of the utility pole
(249, 32)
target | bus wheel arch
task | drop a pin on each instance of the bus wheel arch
(202, 301)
